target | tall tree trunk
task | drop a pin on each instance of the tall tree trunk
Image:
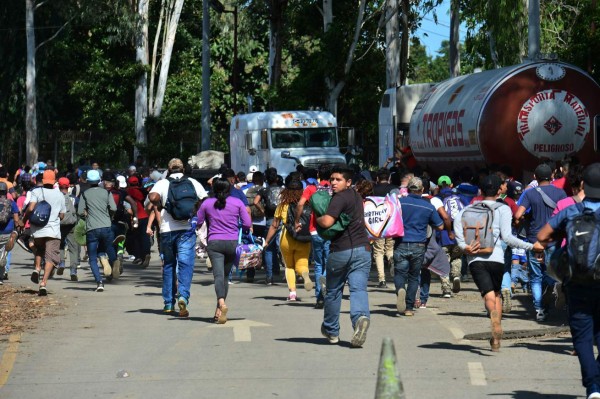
(172, 21)
(141, 91)
(454, 38)
(335, 88)
(31, 133)
(276, 41)
(392, 48)
(404, 42)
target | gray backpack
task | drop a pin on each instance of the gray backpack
(477, 223)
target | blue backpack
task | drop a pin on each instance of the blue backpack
(41, 212)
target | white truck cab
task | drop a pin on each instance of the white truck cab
(283, 140)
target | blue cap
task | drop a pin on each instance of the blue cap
(93, 175)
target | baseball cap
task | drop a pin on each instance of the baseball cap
(133, 181)
(415, 184)
(122, 181)
(93, 176)
(253, 168)
(591, 181)
(109, 176)
(132, 168)
(514, 188)
(543, 172)
(64, 182)
(3, 187)
(49, 177)
(491, 183)
(444, 180)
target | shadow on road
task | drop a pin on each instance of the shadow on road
(533, 395)
(457, 347)
(314, 341)
(564, 349)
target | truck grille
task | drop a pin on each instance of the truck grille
(316, 163)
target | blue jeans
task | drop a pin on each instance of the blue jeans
(270, 253)
(584, 319)
(408, 260)
(320, 249)
(352, 265)
(100, 240)
(538, 277)
(507, 266)
(178, 248)
(425, 284)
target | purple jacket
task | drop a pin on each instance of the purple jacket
(224, 224)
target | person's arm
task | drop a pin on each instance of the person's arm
(272, 231)
(436, 221)
(447, 221)
(258, 204)
(151, 218)
(133, 204)
(519, 213)
(545, 235)
(245, 216)
(506, 231)
(299, 209)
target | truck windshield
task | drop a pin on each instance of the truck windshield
(300, 138)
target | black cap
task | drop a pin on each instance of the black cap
(543, 172)
(514, 188)
(109, 176)
(294, 185)
(591, 181)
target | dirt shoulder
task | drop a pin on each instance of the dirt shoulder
(21, 307)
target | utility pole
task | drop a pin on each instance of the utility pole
(205, 139)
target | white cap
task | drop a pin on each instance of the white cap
(122, 181)
(253, 168)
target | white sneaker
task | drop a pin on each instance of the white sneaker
(401, 300)
(540, 315)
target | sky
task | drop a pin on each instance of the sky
(431, 35)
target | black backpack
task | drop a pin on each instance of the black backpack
(5, 211)
(182, 198)
(303, 235)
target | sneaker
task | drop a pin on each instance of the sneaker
(105, 265)
(540, 315)
(137, 261)
(382, 284)
(100, 287)
(360, 332)
(409, 312)
(119, 239)
(146, 261)
(447, 295)
(269, 281)
(548, 297)
(43, 291)
(456, 285)
(116, 269)
(308, 284)
(593, 391)
(506, 300)
(323, 283)
(168, 308)
(333, 339)
(183, 311)
(320, 304)
(74, 277)
(35, 277)
(61, 268)
(401, 300)
(131, 258)
(292, 297)
(423, 305)
(5, 277)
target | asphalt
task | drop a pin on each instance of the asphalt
(119, 344)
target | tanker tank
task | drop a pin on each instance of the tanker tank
(519, 115)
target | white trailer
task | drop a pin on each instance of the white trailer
(283, 140)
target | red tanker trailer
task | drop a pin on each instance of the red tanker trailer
(518, 115)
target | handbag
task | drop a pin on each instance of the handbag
(247, 255)
(383, 217)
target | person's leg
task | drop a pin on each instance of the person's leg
(389, 253)
(52, 257)
(289, 264)
(318, 247)
(401, 266)
(169, 288)
(378, 255)
(337, 274)
(359, 267)
(302, 251)
(217, 258)
(92, 250)
(535, 279)
(417, 255)
(73, 250)
(424, 284)
(584, 313)
(186, 255)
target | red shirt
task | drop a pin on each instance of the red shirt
(306, 194)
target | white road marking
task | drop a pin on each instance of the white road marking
(477, 374)
(241, 329)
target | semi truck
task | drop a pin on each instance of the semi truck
(284, 140)
(519, 115)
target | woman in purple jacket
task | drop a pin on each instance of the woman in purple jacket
(224, 215)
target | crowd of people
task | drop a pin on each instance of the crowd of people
(441, 216)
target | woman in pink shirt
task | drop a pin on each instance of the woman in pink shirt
(575, 180)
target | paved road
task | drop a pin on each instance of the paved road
(269, 348)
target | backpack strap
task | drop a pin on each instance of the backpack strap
(547, 200)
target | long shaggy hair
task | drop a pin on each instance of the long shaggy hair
(290, 196)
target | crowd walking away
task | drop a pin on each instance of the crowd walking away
(327, 228)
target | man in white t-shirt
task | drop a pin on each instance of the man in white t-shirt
(177, 238)
(46, 238)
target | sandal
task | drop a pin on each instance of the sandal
(495, 345)
(222, 319)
